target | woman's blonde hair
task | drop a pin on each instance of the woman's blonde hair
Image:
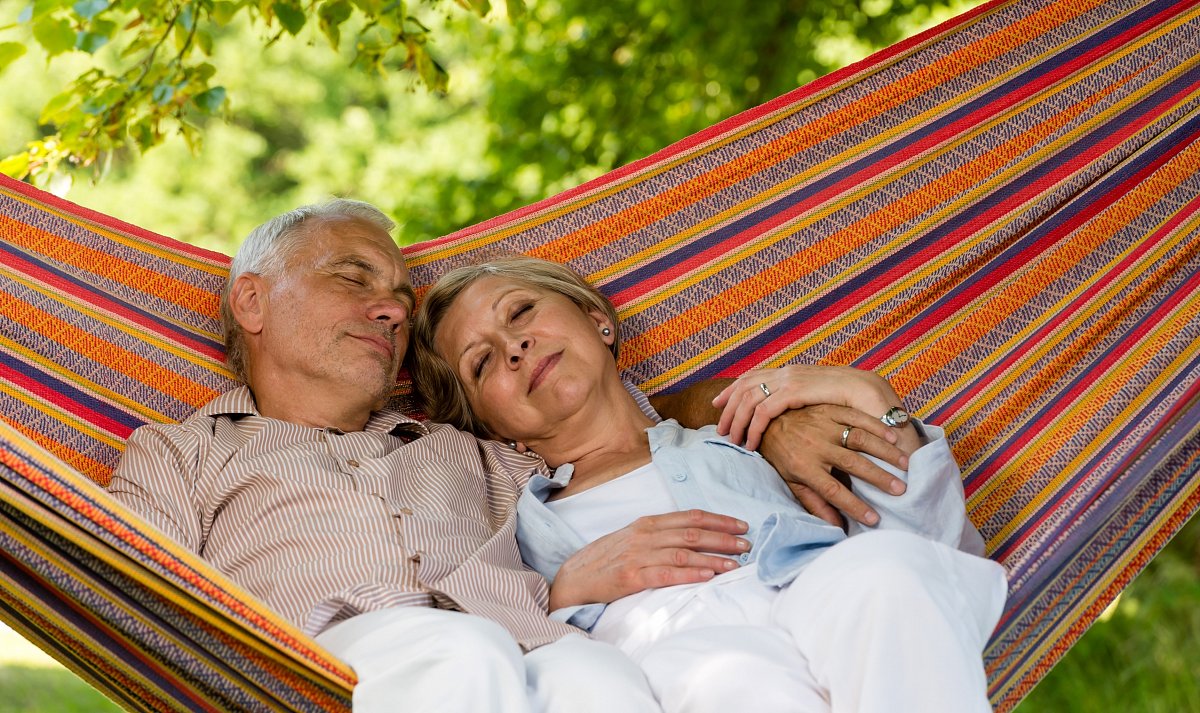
(437, 384)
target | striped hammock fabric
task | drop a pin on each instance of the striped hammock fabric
(1001, 215)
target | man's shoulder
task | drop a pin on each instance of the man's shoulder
(229, 405)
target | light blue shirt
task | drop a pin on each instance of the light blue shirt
(703, 470)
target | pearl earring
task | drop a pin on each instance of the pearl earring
(606, 331)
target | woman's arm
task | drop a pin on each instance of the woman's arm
(655, 551)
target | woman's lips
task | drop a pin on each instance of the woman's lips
(543, 367)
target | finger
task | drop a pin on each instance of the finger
(858, 466)
(815, 505)
(704, 541)
(743, 415)
(658, 577)
(733, 399)
(863, 442)
(826, 488)
(723, 397)
(766, 411)
(866, 422)
(694, 519)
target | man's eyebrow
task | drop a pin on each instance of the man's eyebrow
(354, 261)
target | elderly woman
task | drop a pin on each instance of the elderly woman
(523, 350)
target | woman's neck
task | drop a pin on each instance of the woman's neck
(609, 441)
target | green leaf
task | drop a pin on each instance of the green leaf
(479, 7)
(90, 41)
(331, 15)
(39, 8)
(204, 40)
(203, 72)
(187, 18)
(54, 35)
(516, 8)
(87, 9)
(10, 51)
(432, 73)
(371, 8)
(163, 93)
(223, 12)
(16, 166)
(210, 101)
(290, 15)
(58, 104)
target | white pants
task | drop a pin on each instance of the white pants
(419, 659)
(883, 622)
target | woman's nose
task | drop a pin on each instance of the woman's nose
(516, 350)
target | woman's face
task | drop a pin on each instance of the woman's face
(528, 358)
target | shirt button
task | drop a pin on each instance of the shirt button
(744, 558)
(353, 462)
(415, 559)
(406, 511)
(679, 477)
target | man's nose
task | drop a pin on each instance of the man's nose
(390, 311)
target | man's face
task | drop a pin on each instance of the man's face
(337, 320)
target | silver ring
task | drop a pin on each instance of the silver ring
(765, 390)
(846, 435)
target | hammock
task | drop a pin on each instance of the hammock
(1001, 215)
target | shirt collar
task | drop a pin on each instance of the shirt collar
(239, 403)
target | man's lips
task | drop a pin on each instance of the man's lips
(385, 345)
(543, 367)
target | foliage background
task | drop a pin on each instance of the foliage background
(534, 104)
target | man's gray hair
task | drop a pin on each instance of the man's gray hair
(266, 251)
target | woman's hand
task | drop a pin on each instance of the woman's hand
(747, 408)
(654, 551)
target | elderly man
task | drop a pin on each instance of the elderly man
(390, 539)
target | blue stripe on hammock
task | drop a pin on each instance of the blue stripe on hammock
(170, 330)
(1016, 253)
(651, 269)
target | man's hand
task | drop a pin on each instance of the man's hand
(654, 551)
(804, 445)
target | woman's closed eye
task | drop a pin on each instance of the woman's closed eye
(520, 309)
(480, 363)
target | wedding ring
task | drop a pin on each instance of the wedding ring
(846, 435)
(765, 390)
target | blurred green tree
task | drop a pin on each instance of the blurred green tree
(535, 102)
(149, 69)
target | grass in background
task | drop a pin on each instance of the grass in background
(1142, 657)
(32, 682)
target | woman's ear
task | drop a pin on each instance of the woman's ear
(247, 297)
(608, 330)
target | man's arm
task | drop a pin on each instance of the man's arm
(154, 480)
(804, 444)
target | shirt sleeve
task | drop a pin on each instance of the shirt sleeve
(642, 401)
(583, 616)
(155, 478)
(933, 504)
